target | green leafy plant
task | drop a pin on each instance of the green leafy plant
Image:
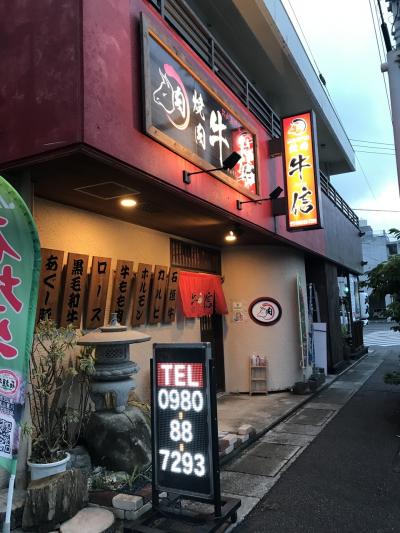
(59, 394)
(385, 279)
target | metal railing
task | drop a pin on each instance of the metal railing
(188, 26)
(178, 15)
(335, 197)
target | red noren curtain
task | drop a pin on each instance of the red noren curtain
(201, 294)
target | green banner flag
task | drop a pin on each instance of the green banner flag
(19, 279)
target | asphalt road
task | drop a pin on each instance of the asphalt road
(346, 480)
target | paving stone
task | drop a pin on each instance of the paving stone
(311, 416)
(90, 520)
(119, 513)
(346, 385)
(340, 396)
(222, 445)
(246, 484)
(246, 429)
(247, 504)
(288, 438)
(300, 429)
(278, 451)
(251, 464)
(323, 405)
(231, 438)
(134, 515)
(228, 450)
(127, 502)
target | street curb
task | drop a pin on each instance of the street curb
(237, 451)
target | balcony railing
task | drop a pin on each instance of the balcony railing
(178, 15)
(335, 197)
(188, 26)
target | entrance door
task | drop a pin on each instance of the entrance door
(189, 256)
(211, 331)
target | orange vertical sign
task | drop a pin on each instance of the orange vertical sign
(301, 172)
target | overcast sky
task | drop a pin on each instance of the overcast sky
(341, 37)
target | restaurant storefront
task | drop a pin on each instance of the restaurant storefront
(134, 110)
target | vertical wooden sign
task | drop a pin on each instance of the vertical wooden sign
(49, 284)
(158, 294)
(171, 296)
(74, 290)
(121, 289)
(98, 289)
(141, 297)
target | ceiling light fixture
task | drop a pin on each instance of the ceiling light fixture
(128, 202)
(230, 236)
(228, 163)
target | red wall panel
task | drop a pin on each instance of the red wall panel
(40, 79)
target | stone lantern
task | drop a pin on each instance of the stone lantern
(113, 368)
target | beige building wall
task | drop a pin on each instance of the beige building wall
(74, 230)
(250, 273)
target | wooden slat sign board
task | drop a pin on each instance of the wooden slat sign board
(171, 296)
(49, 284)
(74, 290)
(141, 296)
(98, 287)
(121, 290)
(158, 294)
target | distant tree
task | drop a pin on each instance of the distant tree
(385, 279)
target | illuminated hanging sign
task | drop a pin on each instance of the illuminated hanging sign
(301, 172)
(184, 421)
(182, 113)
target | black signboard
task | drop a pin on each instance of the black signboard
(184, 421)
(188, 117)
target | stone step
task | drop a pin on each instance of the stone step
(90, 520)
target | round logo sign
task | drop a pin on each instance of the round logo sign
(8, 382)
(265, 311)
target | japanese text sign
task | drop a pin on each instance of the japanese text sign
(19, 278)
(98, 288)
(158, 294)
(141, 296)
(186, 116)
(171, 295)
(301, 172)
(49, 285)
(74, 290)
(184, 420)
(122, 288)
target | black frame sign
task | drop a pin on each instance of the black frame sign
(184, 422)
(188, 117)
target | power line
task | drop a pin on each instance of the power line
(378, 210)
(366, 179)
(377, 153)
(370, 142)
(376, 148)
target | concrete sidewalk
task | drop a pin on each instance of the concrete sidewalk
(251, 475)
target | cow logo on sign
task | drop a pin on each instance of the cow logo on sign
(172, 97)
(265, 311)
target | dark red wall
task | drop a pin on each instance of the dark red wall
(40, 82)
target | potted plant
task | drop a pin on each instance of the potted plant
(58, 397)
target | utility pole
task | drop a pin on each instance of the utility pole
(392, 67)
